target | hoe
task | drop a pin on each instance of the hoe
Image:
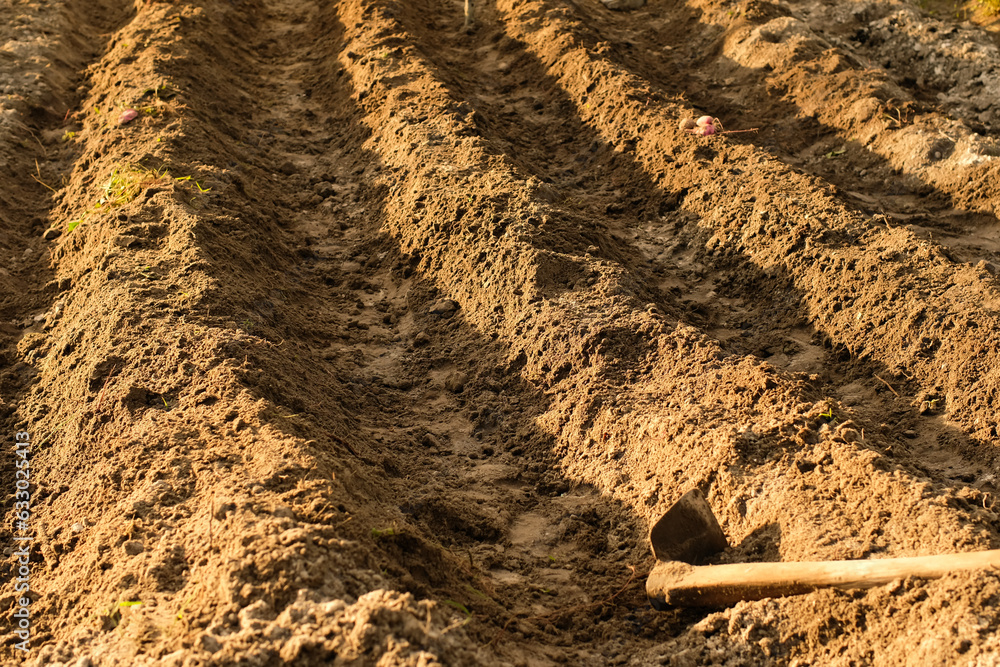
(689, 533)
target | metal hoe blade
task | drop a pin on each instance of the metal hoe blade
(688, 532)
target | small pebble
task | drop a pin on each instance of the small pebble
(444, 307)
(77, 527)
(133, 547)
(127, 116)
(325, 189)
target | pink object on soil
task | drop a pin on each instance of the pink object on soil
(127, 116)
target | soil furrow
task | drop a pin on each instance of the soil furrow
(432, 411)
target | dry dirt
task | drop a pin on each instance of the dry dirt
(376, 341)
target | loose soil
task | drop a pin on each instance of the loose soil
(376, 340)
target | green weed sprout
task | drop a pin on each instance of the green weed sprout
(126, 183)
(461, 607)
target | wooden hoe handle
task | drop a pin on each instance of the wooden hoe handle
(674, 583)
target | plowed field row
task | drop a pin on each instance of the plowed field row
(376, 340)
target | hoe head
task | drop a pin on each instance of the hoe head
(688, 532)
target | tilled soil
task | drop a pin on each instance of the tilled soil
(378, 340)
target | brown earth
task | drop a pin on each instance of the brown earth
(373, 340)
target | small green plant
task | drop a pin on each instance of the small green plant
(126, 183)
(929, 407)
(180, 612)
(76, 223)
(991, 6)
(478, 593)
(836, 153)
(385, 532)
(68, 136)
(461, 607)
(196, 183)
(828, 415)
